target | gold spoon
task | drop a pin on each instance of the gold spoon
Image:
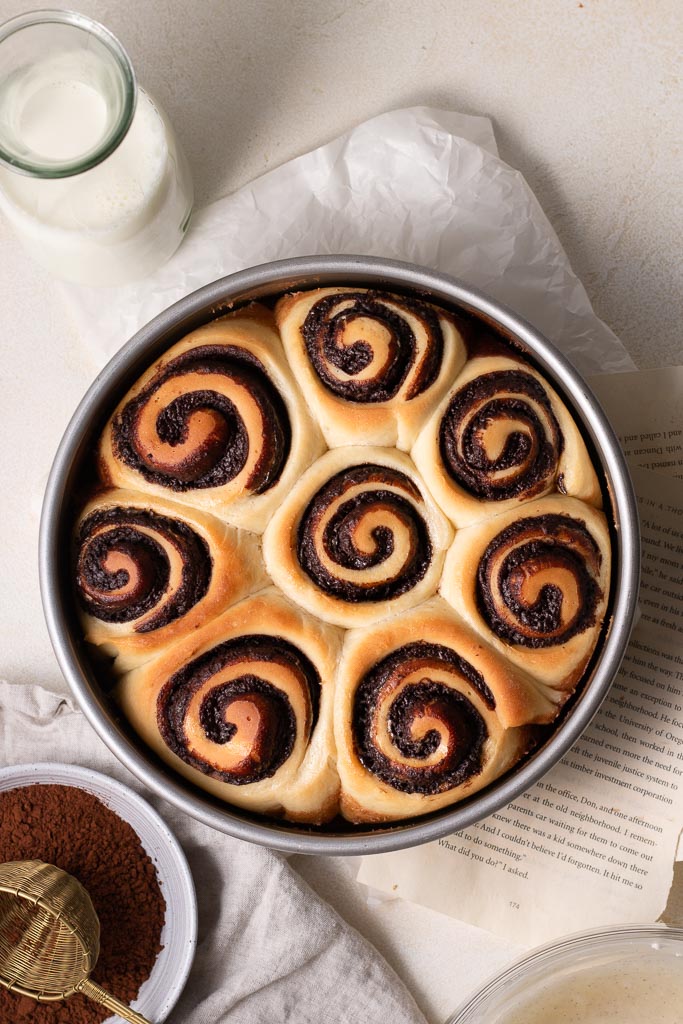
(50, 936)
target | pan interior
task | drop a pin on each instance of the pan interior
(87, 672)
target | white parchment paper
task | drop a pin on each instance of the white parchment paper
(421, 185)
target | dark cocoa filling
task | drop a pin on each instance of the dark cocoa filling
(462, 724)
(338, 536)
(113, 530)
(277, 728)
(549, 541)
(323, 333)
(207, 462)
(535, 454)
(223, 454)
(276, 735)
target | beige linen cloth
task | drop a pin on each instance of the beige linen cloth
(269, 949)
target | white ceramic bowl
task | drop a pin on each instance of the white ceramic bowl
(160, 992)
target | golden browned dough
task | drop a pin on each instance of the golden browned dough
(472, 574)
(243, 708)
(358, 538)
(148, 571)
(535, 583)
(426, 714)
(372, 365)
(217, 423)
(499, 438)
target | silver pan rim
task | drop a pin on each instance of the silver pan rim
(202, 306)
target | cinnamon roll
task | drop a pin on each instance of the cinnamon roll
(373, 365)
(217, 423)
(147, 574)
(535, 584)
(243, 708)
(253, 691)
(502, 437)
(358, 538)
(426, 715)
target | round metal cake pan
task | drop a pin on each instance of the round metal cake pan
(89, 684)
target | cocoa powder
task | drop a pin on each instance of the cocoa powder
(66, 826)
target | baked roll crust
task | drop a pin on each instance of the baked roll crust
(217, 423)
(244, 708)
(358, 538)
(372, 365)
(535, 584)
(426, 714)
(502, 437)
(149, 572)
(416, 483)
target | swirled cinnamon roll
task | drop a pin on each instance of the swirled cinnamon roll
(373, 365)
(426, 715)
(502, 437)
(148, 573)
(535, 584)
(217, 423)
(244, 708)
(358, 538)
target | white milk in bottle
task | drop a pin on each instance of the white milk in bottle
(92, 178)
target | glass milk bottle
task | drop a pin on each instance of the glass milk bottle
(91, 176)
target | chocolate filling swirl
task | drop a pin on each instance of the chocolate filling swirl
(221, 449)
(225, 695)
(123, 567)
(363, 347)
(523, 462)
(332, 534)
(537, 581)
(404, 713)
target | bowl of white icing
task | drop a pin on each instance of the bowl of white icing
(621, 975)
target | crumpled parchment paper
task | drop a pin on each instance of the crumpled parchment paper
(421, 185)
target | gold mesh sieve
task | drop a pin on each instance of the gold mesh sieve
(50, 936)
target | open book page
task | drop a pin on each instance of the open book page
(594, 842)
(646, 410)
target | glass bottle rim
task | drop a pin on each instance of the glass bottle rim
(117, 131)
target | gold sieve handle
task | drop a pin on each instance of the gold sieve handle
(93, 991)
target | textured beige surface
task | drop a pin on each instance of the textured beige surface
(587, 102)
(585, 97)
